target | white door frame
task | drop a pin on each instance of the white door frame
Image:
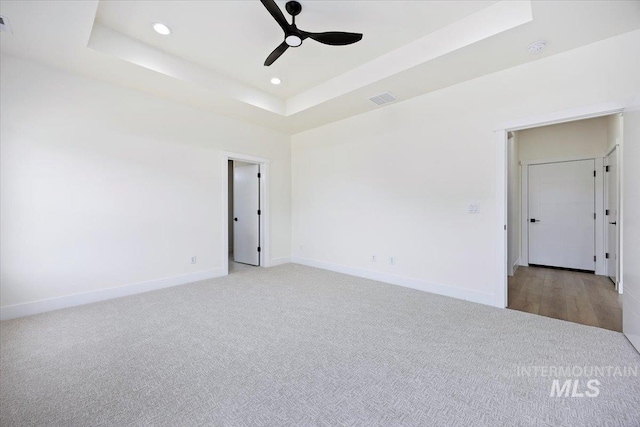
(265, 230)
(618, 177)
(600, 246)
(501, 133)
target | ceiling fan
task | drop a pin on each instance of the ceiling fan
(294, 37)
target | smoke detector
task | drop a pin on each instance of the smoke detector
(383, 98)
(4, 25)
(537, 47)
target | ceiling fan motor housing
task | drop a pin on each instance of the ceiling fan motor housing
(293, 8)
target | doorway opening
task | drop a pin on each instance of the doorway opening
(563, 251)
(245, 195)
(244, 215)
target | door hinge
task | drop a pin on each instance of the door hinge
(259, 249)
(258, 175)
(594, 258)
(594, 215)
(606, 212)
(606, 168)
(606, 255)
(594, 173)
(259, 212)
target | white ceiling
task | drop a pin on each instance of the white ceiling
(213, 60)
(234, 38)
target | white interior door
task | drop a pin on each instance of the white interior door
(246, 221)
(561, 214)
(611, 212)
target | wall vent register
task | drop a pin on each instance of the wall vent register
(383, 98)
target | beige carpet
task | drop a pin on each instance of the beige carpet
(296, 346)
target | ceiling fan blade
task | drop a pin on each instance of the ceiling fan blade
(335, 38)
(276, 54)
(277, 14)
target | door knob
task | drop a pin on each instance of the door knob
(613, 223)
(235, 219)
(534, 220)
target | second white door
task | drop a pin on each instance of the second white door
(561, 220)
(611, 179)
(246, 221)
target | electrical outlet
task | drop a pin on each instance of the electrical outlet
(392, 261)
(474, 208)
(373, 258)
(194, 259)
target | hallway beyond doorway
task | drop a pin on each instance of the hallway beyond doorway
(566, 295)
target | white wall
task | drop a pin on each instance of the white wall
(584, 138)
(513, 202)
(397, 181)
(103, 187)
(631, 227)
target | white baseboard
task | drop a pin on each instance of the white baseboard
(421, 285)
(42, 306)
(279, 261)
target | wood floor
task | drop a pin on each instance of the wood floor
(577, 297)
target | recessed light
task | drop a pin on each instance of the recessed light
(276, 81)
(537, 47)
(160, 28)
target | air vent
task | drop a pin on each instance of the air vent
(383, 98)
(4, 25)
